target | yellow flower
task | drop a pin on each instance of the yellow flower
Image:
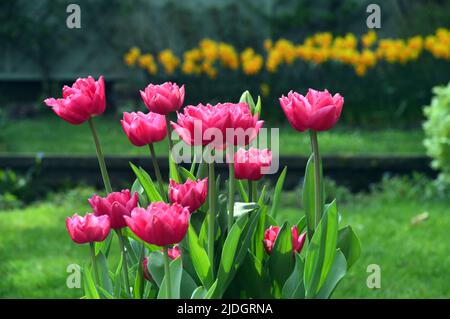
(169, 61)
(132, 56)
(147, 62)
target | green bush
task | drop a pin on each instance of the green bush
(437, 132)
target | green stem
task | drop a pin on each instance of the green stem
(167, 272)
(231, 192)
(124, 260)
(100, 157)
(250, 191)
(254, 191)
(317, 178)
(212, 212)
(169, 133)
(94, 263)
(141, 272)
(157, 171)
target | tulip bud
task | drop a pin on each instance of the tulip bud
(271, 234)
(190, 194)
(163, 99)
(249, 164)
(88, 229)
(143, 129)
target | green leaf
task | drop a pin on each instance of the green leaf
(147, 183)
(102, 264)
(211, 291)
(258, 107)
(199, 258)
(277, 192)
(262, 196)
(104, 246)
(176, 271)
(337, 272)
(199, 293)
(294, 287)
(227, 260)
(90, 290)
(155, 266)
(349, 244)
(258, 245)
(118, 279)
(242, 191)
(281, 262)
(301, 224)
(173, 171)
(246, 97)
(187, 174)
(321, 252)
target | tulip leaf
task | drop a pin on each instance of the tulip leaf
(277, 192)
(90, 289)
(337, 272)
(118, 278)
(155, 266)
(102, 264)
(199, 293)
(176, 271)
(147, 183)
(301, 224)
(241, 209)
(173, 169)
(321, 252)
(258, 246)
(188, 285)
(246, 97)
(349, 244)
(308, 195)
(281, 262)
(187, 174)
(212, 290)
(242, 191)
(199, 258)
(294, 287)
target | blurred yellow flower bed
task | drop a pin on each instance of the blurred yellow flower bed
(210, 56)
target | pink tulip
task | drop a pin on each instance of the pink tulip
(297, 241)
(143, 129)
(173, 253)
(318, 111)
(245, 125)
(271, 234)
(248, 164)
(88, 229)
(164, 98)
(116, 206)
(160, 224)
(190, 194)
(203, 124)
(84, 99)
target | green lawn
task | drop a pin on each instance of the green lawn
(52, 135)
(414, 259)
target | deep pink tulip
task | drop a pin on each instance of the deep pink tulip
(84, 99)
(143, 129)
(297, 241)
(318, 110)
(116, 205)
(173, 253)
(203, 124)
(245, 125)
(248, 164)
(164, 98)
(160, 224)
(88, 229)
(191, 194)
(271, 234)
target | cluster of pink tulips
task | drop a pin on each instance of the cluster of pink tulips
(188, 237)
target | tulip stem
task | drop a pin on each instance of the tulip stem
(157, 171)
(141, 272)
(94, 263)
(167, 272)
(169, 133)
(231, 192)
(251, 190)
(124, 260)
(100, 157)
(212, 213)
(317, 177)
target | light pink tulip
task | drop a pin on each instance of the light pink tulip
(163, 99)
(88, 229)
(245, 125)
(318, 110)
(143, 129)
(191, 194)
(84, 99)
(248, 164)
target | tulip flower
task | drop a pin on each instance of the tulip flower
(271, 234)
(160, 224)
(248, 164)
(116, 205)
(243, 122)
(163, 99)
(191, 194)
(86, 98)
(144, 129)
(203, 125)
(318, 110)
(88, 229)
(173, 253)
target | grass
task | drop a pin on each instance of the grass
(54, 136)
(35, 248)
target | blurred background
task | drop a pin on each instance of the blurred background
(387, 160)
